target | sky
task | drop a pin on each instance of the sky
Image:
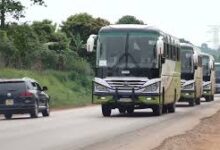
(189, 19)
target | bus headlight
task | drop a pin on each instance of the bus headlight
(152, 88)
(189, 86)
(100, 88)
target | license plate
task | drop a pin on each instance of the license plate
(125, 100)
(9, 102)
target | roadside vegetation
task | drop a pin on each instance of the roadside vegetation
(66, 89)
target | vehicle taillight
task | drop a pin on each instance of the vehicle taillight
(26, 94)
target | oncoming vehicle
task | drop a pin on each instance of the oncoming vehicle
(208, 64)
(217, 77)
(137, 67)
(19, 96)
(191, 74)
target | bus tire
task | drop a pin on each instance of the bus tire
(158, 110)
(165, 109)
(192, 102)
(8, 116)
(106, 110)
(212, 98)
(198, 102)
(172, 108)
(208, 98)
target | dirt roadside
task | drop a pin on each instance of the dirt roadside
(205, 136)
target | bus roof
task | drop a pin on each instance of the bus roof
(139, 28)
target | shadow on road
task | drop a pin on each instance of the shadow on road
(135, 115)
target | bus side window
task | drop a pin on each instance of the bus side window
(174, 53)
(165, 50)
(171, 52)
(178, 54)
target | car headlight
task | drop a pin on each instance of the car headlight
(190, 86)
(207, 86)
(100, 88)
(152, 87)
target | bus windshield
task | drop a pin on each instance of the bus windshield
(127, 50)
(186, 59)
(205, 66)
(217, 67)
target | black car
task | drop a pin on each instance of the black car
(19, 96)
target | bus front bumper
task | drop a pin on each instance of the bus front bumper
(127, 98)
(187, 95)
(206, 93)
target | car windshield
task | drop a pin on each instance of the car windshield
(127, 50)
(186, 60)
(205, 66)
(12, 86)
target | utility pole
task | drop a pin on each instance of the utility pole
(215, 29)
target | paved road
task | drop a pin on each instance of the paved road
(85, 128)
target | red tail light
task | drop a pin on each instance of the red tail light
(26, 94)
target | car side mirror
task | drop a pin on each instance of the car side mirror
(44, 88)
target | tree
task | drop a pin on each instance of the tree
(78, 28)
(129, 20)
(7, 49)
(44, 29)
(13, 8)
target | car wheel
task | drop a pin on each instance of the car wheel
(35, 111)
(130, 110)
(8, 116)
(46, 112)
(106, 110)
(121, 110)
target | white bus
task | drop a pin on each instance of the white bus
(217, 77)
(137, 67)
(208, 63)
(191, 74)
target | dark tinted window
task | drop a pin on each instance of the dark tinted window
(12, 86)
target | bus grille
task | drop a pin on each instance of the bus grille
(126, 85)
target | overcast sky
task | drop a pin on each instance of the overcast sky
(182, 18)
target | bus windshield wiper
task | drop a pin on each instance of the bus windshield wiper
(126, 55)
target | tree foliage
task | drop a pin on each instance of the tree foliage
(78, 28)
(14, 9)
(129, 20)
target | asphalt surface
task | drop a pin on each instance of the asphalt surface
(85, 128)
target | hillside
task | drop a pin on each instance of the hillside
(67, 89)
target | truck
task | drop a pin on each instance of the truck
(137, 67)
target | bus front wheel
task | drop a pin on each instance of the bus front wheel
(158, 110)
(106, 110)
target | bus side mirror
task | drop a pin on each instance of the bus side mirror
(91, 43)
(211, 65)
(160, 47)
(195, 60)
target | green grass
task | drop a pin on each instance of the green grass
(66, 89)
